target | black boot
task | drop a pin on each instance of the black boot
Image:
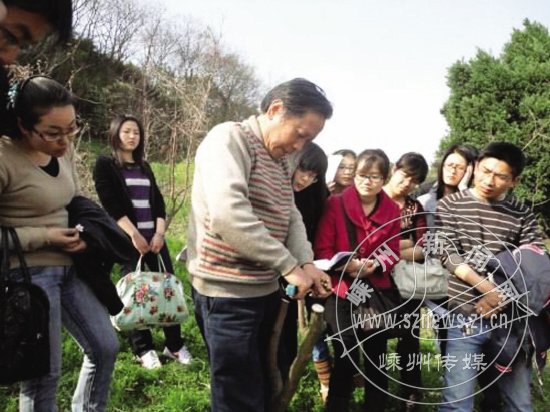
(337, 404)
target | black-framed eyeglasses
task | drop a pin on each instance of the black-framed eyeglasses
(452, 166)
(54, 136)
(372, 178)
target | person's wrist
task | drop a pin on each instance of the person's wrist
(160, 235)
(290, 271)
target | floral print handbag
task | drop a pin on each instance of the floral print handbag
(151, 299)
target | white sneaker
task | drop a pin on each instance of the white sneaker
(150, 360)
(182, 356)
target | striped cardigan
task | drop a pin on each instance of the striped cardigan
(244, 229)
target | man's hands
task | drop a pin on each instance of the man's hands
(309, 278)
(490, 304)
(321, 281)
(66, 239)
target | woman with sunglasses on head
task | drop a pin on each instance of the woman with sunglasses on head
(128, 191)
(37, 181)
(364, 214)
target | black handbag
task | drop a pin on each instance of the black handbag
(384, 309)
(24, 320)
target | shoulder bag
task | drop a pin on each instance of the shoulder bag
(24, 320)
(384, 309)
(428, 280)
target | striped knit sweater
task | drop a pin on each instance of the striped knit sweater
(472, 227)
(244, 229)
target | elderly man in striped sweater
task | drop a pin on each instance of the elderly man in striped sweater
(476, 224)
(245, 232)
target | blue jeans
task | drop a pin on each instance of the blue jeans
(459, 388)
(73, 305)
(320, 351)
(236, 332)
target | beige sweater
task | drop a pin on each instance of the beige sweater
(33, 201)
(244, 229)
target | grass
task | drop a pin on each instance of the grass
(176, 388)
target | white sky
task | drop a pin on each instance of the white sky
(382, 63)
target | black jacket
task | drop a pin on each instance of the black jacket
(113, 192)
(106, 244)
(528, 268)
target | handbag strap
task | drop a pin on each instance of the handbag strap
(4, 257)
(350, 227)
(8, 232)
(161, 265)
(137, 272)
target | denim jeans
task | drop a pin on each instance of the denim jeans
(320, 351)
(460, 381)
(73, 305)
(237, 332)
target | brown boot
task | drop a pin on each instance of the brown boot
(323, 368)
(358, 380)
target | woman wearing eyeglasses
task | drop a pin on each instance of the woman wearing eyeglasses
(455, 173)
(344, 173)
(365, 214)
(37, 181)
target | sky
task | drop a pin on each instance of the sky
(382, 63)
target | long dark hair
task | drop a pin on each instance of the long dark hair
(114, 139)
(468, 152)
(311, 201)
(32, 98)
(313, 159)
